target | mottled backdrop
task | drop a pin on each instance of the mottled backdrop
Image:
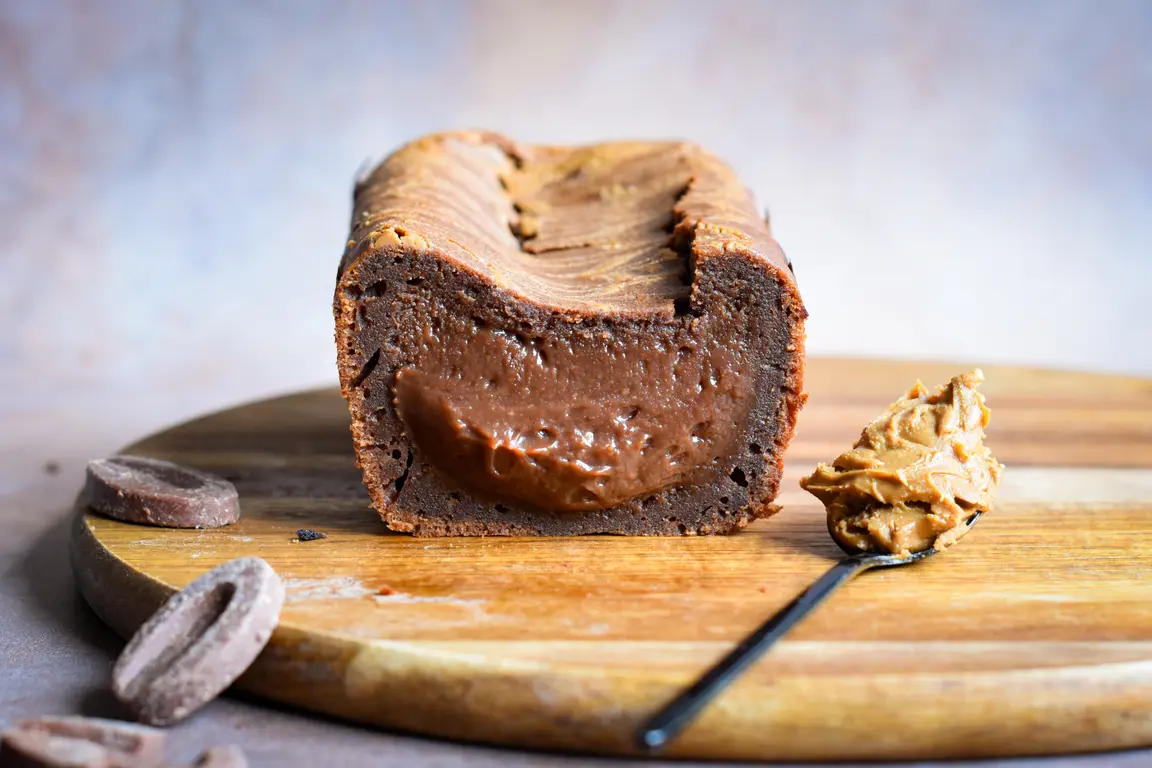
(952, 179)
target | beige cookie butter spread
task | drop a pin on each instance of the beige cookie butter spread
(916, 475)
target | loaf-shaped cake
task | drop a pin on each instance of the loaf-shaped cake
(540, 340)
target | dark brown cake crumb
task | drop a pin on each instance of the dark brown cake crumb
(307, 534)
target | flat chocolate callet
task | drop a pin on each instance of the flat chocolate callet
(229, 756)
(199, 642)
(307, 534)
(551, 341)
(88, 741)
(33, 749)
(137, 489)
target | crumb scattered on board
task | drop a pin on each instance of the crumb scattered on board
(307, 534)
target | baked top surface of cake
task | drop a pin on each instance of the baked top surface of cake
(602, 228)
(533, 335)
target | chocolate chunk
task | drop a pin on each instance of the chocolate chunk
(199, 642)
(223, 757)
(136, 489)
(556, 340)
(307, 534)
(81, 741)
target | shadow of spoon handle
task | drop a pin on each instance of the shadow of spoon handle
(673, 718)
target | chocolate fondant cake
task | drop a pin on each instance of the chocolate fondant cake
(540, 340)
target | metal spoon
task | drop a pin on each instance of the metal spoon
(666, 724)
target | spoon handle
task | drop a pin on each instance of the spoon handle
(675, 716)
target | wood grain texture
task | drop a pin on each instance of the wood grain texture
(1034, 636)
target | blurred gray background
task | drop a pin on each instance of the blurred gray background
(958, 179)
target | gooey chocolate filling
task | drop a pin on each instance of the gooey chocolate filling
(574, 424)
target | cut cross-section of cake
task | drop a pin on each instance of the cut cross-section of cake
(555, 340)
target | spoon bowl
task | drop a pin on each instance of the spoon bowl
(850, 550)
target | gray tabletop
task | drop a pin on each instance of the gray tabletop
(174, 196)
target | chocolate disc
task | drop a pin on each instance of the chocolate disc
(35, 749)
(80, 742)
(199, 642)
(136, 489)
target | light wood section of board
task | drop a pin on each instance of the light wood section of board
(1033, 636)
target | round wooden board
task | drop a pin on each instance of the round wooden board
(1033, 636)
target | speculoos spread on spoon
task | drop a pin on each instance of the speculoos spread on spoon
(917, 474)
